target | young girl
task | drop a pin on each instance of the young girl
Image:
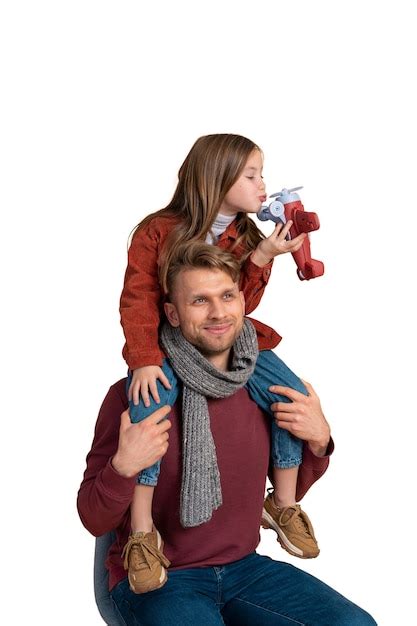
(219, 184)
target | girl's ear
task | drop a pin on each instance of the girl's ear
(171, 313)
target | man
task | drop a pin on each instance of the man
(216, 577)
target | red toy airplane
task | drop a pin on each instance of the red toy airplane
(287, 206)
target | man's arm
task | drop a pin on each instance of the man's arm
(120, 450)
(304, 418)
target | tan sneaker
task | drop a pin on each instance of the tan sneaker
(145, 562)
(294, 529)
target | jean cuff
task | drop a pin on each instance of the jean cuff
(286, 464)
(145, 480)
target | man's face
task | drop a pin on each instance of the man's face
(208, 307)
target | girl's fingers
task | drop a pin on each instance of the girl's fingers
(278, 227)
(164, 380)
(154, 391)
(145, 395)
(135, 393)
(286, 229)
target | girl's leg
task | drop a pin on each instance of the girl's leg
(141, 508)
(271, 370)
(281, 513)
(146, 573)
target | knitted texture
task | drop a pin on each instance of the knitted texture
(201, 488)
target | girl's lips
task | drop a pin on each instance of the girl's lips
(262, 198)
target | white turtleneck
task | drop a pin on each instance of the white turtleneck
(219, 226)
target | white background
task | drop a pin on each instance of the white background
(100, 103)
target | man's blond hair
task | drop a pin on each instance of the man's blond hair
(200, 255)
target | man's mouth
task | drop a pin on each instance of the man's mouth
(218, 329)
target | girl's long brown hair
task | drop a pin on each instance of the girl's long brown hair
(210, 169)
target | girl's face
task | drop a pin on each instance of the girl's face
(248, 192)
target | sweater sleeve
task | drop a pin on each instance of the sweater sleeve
(253, 281)
(104, 496)
(141, 299)
(311, 469)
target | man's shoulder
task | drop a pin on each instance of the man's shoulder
(117, 394)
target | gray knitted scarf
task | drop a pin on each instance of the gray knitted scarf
(201, 489)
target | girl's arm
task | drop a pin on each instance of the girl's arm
(257, 268)
(141, 299)
(253, 280)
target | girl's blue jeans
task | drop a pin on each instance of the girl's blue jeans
(286, 450)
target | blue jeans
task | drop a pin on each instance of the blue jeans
(286, 450)
(254, 591)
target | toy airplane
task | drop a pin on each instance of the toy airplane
(287, 206)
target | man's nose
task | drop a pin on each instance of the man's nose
(216, 309)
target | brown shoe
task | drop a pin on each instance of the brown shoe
(293, 527)
(145, 562)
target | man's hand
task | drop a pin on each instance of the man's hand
(303, 417)
(141, 444)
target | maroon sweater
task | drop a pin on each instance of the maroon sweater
(242, 436)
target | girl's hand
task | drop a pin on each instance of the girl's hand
(144, 381)
(277, 244)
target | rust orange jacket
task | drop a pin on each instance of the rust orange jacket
(141, 302)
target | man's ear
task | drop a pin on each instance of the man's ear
(171, 313)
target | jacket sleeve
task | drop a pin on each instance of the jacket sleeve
(253, 281)
(141, 300)
(104, 496)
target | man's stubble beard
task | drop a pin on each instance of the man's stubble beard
(207, 348)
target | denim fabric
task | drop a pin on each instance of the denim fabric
(138, 412)
(286, 450)
(105, 604)
(254, 591)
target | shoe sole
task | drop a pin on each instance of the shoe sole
(268, 522)
(162, 579)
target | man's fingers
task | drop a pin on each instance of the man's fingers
(154, 418)
(309, 388)
(159, 415)
(125, 420)
(284, 413)
(292, 394)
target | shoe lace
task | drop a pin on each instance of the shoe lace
(296, 516)
(140, 546)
